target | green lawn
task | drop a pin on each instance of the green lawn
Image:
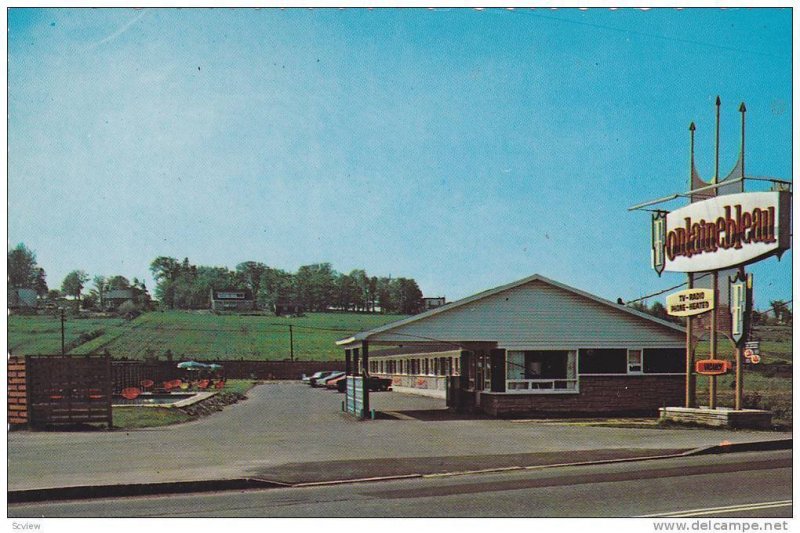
(198, 335)
(30, 335)
(146, 417)
(776, 345)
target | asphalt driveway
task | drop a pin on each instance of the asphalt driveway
(282, 426)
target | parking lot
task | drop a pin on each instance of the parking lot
(291, 429)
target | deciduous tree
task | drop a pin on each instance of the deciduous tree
(73, 285)
(22, 268)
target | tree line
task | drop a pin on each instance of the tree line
(25, 273)
(316, 287)
(183, 285)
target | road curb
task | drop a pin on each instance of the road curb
(731, 447)
(87, 492)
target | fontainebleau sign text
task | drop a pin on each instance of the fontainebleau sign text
(722, 232)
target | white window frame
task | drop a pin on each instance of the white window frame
(543, 386)
(641, 362)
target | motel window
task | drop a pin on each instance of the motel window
(665, 361)
(540, 370)
(634, 361)
(605, 361)
(426, 366)
(456, 366)
(436, 366)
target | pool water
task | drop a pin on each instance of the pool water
(153, 399)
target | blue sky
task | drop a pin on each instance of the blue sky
(462, 148)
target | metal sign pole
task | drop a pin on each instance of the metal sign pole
(737, 400)
(712, 380)
(691, 382)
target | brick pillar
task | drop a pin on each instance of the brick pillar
(17, 392)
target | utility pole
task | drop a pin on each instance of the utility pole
(291, 343)
(63, 320)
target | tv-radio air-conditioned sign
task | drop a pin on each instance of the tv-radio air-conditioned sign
(722, 232)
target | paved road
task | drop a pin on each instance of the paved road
(753, 484)
(289, 423)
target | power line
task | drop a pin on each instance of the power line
(665, 290)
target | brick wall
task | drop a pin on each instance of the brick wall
(602, 395)
(17, 393)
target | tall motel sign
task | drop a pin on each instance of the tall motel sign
(711, 240)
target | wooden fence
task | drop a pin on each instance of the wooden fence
(68, 389)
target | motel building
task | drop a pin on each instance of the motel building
(530, 348)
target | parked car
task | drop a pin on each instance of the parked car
(334, 383)
(321, 382)
(375, 384)
(313, 377)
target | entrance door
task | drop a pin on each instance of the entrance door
(498, 373)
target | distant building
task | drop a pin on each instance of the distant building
(115, 297)
(432, 303)
(288, 307)
(21, 299)
(232, 300)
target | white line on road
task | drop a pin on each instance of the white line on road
(719, 510)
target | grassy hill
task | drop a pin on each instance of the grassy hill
(42, 334)
(195, 335)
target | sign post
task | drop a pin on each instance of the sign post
(721, 228)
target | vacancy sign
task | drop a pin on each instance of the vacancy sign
(690, 302)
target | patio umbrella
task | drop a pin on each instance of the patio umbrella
(192, 365)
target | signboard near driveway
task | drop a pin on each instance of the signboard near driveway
(752, 352)
(354, 395)
(712, 367)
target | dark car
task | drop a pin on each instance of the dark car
(375, 384)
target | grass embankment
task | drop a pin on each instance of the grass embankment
(196, 335)
(147, 417)
(762, 388)
(31, 335)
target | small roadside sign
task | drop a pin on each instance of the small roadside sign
(711, 367)
(690, 302)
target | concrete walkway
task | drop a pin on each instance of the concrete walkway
(283, 425)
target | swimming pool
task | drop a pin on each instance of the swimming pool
(175, 399)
